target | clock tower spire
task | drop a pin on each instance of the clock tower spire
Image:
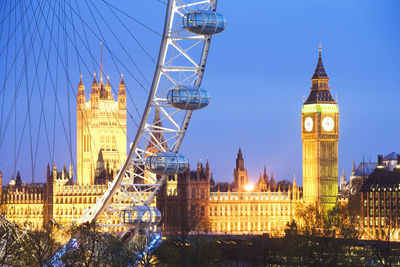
(320, 136)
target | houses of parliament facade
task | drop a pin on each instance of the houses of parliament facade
(191, 199)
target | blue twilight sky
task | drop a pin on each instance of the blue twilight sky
(258, 72)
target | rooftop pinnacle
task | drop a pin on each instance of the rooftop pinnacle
(319, 70)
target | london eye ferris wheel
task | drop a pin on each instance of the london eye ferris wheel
(173, 93)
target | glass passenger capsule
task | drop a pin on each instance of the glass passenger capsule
(188, 97)
(140, 216)
(204, 22)
(166, 163)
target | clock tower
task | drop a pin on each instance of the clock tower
(320, 136)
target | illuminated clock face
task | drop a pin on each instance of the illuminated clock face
(328, 124)
(308, 124)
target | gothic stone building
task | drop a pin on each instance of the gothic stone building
(101, 139)
(192, 202)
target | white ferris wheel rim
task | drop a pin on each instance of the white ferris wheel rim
(170, 39)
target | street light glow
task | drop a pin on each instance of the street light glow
(249, 187)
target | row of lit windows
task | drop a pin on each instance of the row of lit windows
(273, 213)
(75, 200)
(245, 211)
(245, 207)
(25, 211)
(25, 197)
(382, 202)
(384, 193)
(248, 226)
(70, 211)
(371, 221)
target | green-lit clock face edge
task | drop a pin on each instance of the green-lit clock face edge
(320, 108)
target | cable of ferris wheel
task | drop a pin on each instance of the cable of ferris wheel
(3, 133)
(42, 96)
(54, 89)
(7, 75)
(123, 48)
(64, 65)
(3, 5)
(123, 65)
(29, 95)
(84, 32)
(18, 88)
(3, 8)
(59, 59)
(13, 32)
(136, 40)
(53, 86)
(77, 51)
(113, 58)
(116, 66)
(136, 20)
(130, 115)
(110, 51)
(68, 91)
(74, 30)
(6, 64)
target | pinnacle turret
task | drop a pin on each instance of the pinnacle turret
(319, 72)
(80, 85)
(94, 83)
(320, 87)
(122, 83)
(353, 168)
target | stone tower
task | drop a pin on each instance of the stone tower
(101, 125)
(320, 135)
(240, 173)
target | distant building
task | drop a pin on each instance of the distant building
(380, 200)
(362, 172)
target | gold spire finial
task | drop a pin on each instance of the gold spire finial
(81, 76)
(320, 47)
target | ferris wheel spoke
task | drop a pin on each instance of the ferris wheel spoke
(169, 116)
(191, 5)
(183, 52)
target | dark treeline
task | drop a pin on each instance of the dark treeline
(314, 239)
